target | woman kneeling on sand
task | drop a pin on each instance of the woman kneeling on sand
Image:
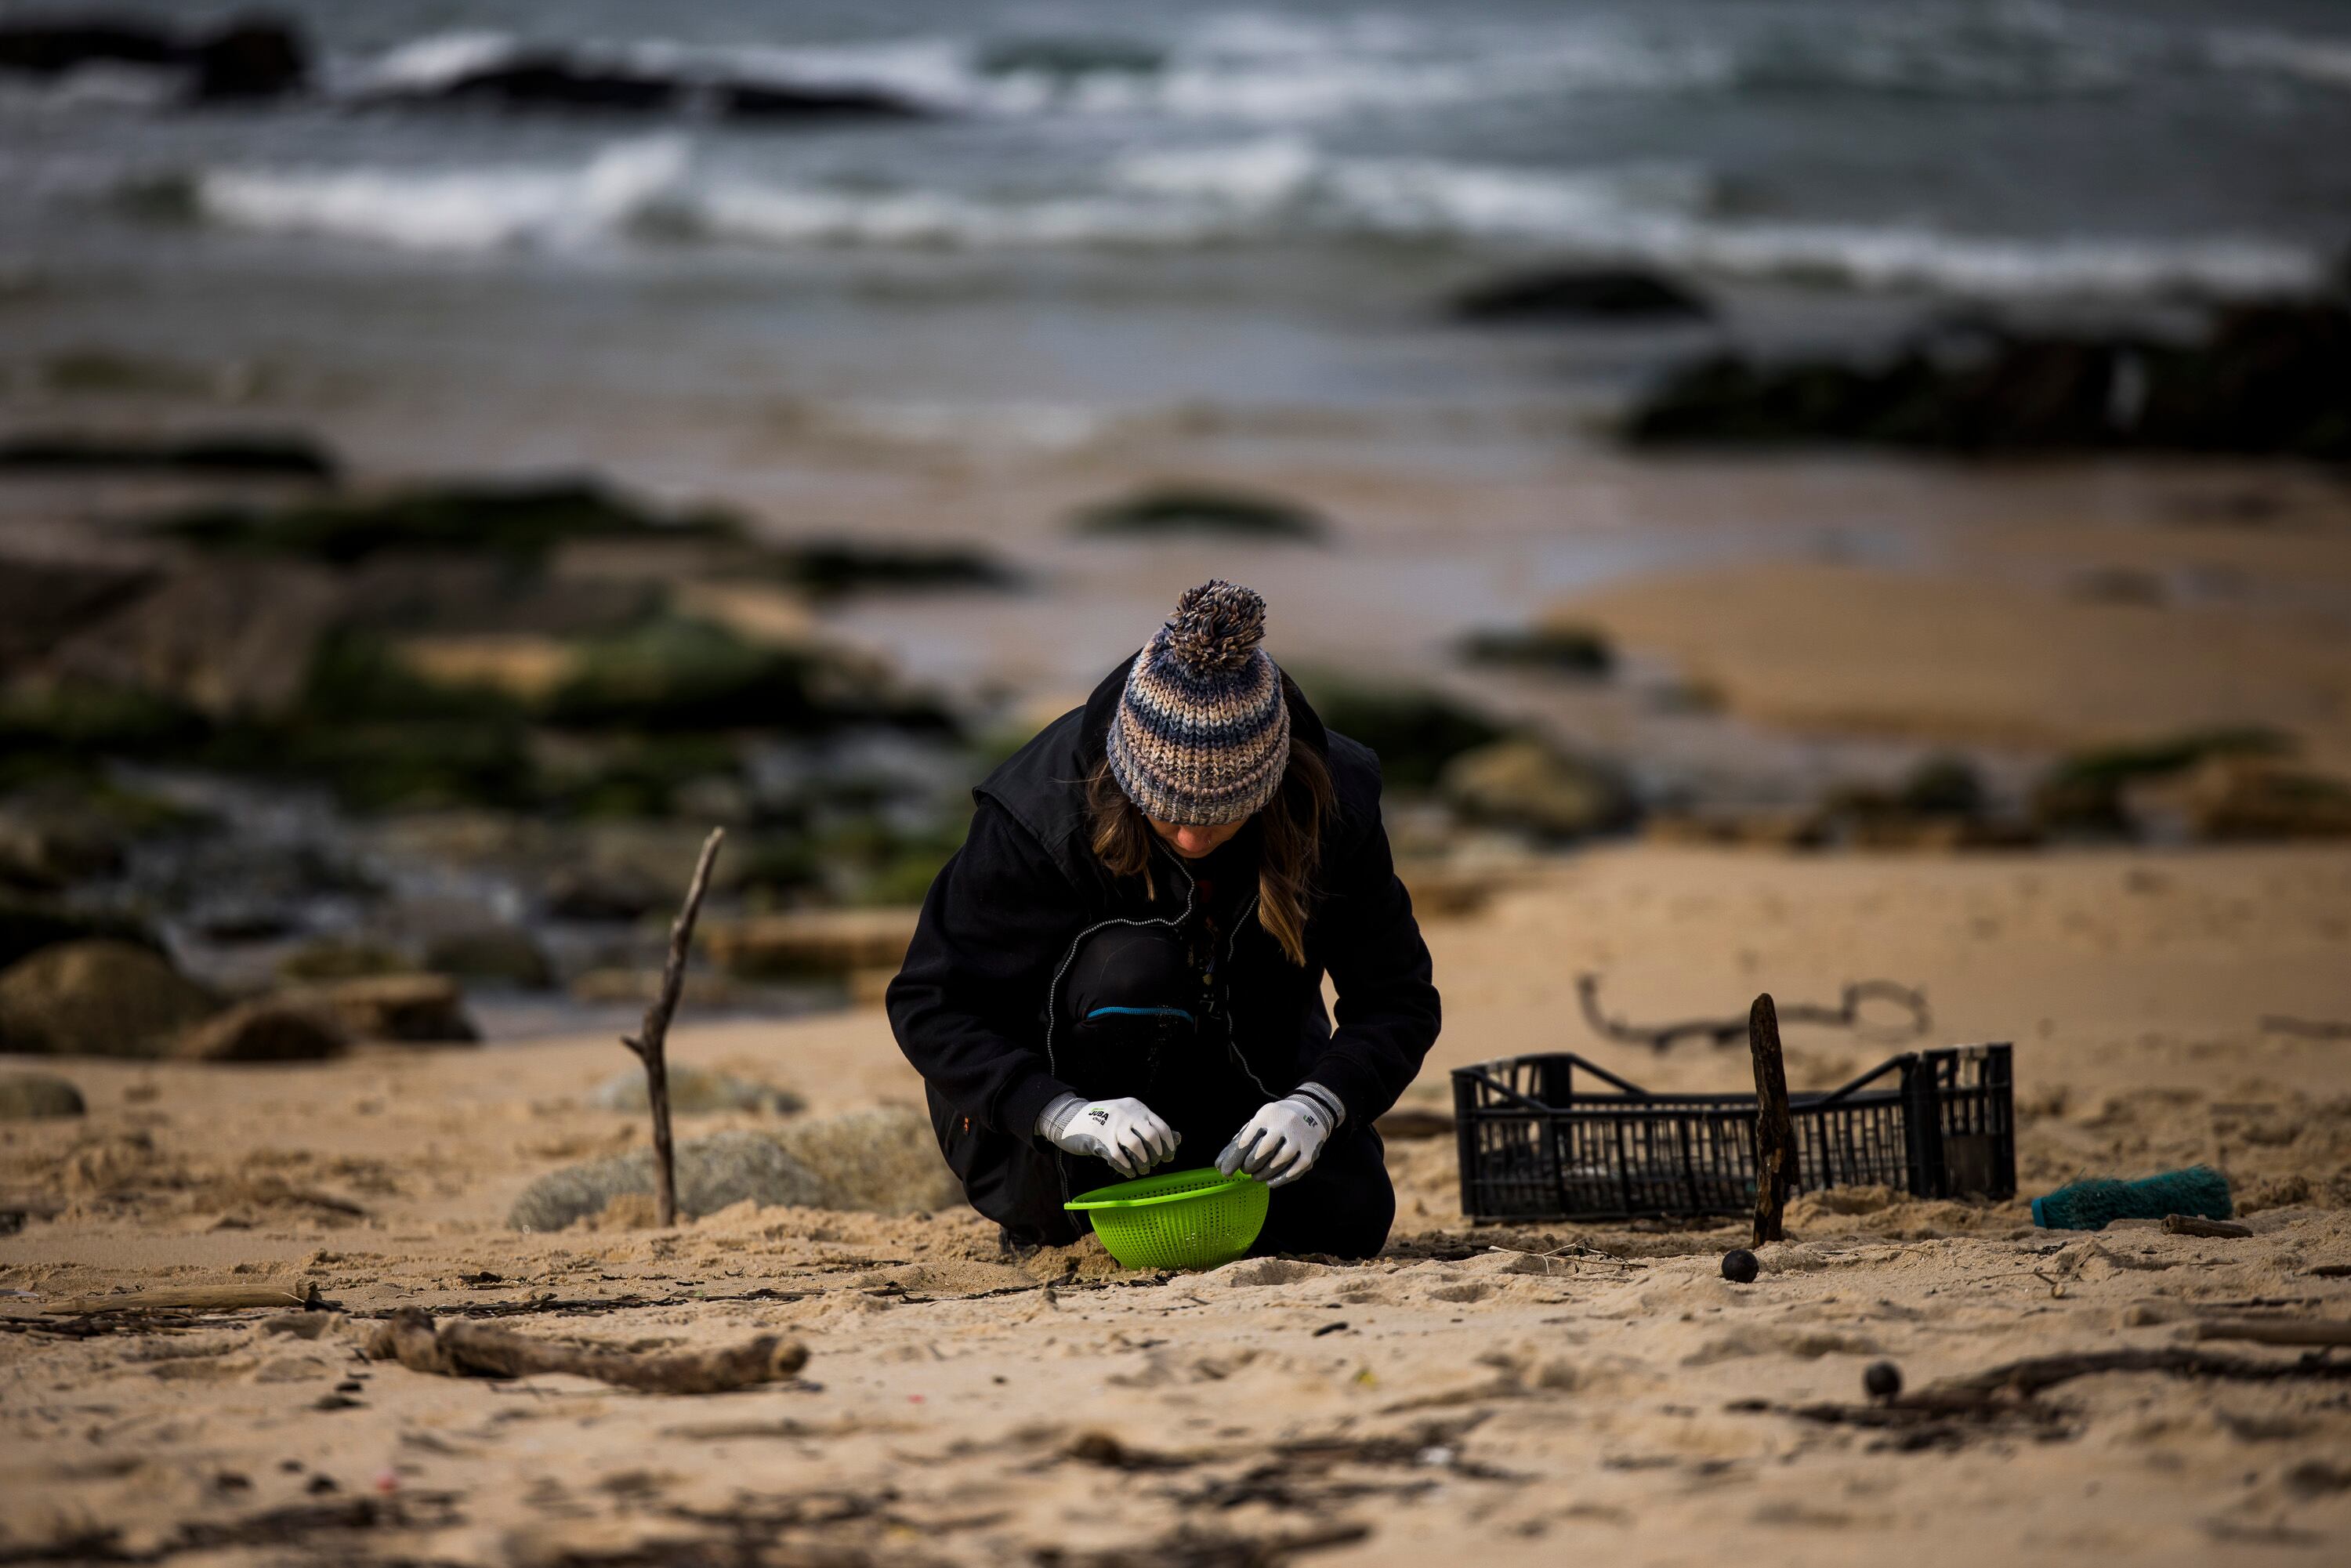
(1126, 955)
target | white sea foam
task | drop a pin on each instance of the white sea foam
(455, 210)
(1267, 190)
(1276, 70)
(2321, 62)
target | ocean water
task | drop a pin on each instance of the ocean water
(1117, 210)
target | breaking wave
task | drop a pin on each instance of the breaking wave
(1267, 70)
(1267, 190)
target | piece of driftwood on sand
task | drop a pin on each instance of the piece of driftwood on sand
(651, 1044)
(1775, 1127)
(2197, 1225)
(460, 1347)
(2277, 1330)
(196, 1298)
(1846, 1014)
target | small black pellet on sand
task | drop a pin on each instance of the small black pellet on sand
(1738, 1266)
(1882, 1379)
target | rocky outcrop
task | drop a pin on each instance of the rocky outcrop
(2265, 379)
(97, 998)
(812, 943)
(42, 601)
(1523, 783)
(28, 923)
(503, 955)
(228, 456)
(267, 1029)
(32, 1096)
(1178, 510)
(420, 1009)
(1581, 294)
(696, 1092)
(550, 79)
(229, 639)
(712, 1172)
(884, 1160)
(246, 58)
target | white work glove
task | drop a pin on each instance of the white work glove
(1127, 1133)
(1284, 1140)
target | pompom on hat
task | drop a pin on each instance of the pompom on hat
(1202, 733)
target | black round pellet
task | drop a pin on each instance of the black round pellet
(1882, 1379)
(1738, 1266)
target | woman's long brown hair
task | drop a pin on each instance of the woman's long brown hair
(1291, 823)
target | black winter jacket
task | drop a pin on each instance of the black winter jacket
(972, 1006)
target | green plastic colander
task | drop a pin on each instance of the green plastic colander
(1176, 1220)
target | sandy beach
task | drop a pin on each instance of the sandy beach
(1587, 1388)
(1796, 494)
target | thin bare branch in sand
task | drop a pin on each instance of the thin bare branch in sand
(464, 1348)
(1846, 1014)
(651, 1044)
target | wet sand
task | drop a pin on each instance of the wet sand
(1446, 1394)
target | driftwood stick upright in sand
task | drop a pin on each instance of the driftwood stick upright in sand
(1775, 1130)
(652, 1043)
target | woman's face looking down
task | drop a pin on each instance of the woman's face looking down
(1191, 840)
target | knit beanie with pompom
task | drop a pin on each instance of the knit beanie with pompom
(1202, 733)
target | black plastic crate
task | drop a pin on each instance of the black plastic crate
(1934, 1124)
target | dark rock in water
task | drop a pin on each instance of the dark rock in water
(267, 1029)
(1200, 509)
(2265, 379)
(1527, 785)
(421, 1009)
(1582, 294)
(31, 1096)
(254, 58)
(29, 923)
(48, 47)
(43, 601)
(228, 639)
(550, 79)
(97, 998)
(499, 953)
(251, 57)
(238, 456)
(1881, 1380)
(776, 101)
(1738, 1266)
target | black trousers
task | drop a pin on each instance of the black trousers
(1129, 1021)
